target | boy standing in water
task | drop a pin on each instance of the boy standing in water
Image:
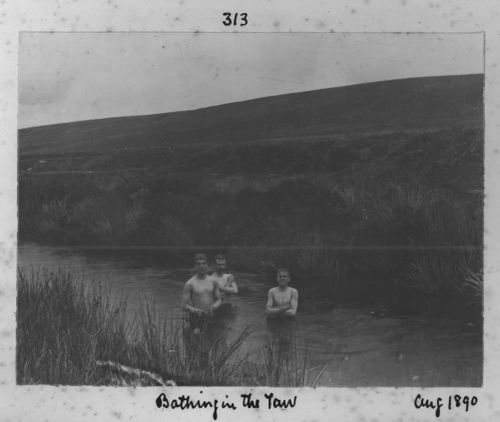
(201, 296)
(281, 307)
(282, 301)
(224, 281)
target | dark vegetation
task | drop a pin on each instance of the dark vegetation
(370, 193)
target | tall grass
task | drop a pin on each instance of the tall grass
(311, 257)
(74, 336)
(447, 237)
(63, 331)
(473, 289)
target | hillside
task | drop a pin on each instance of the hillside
(431, 103)
(351, 188)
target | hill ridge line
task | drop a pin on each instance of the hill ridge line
(291, 94)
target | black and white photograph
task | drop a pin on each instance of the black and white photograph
(250, 209)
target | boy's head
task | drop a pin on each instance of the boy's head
(201, 263)
(283, 277)
(220, 262)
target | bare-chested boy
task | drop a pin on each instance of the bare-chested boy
(282, 301)
(201, 295)
(225, 281)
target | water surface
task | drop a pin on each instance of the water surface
(349, 346)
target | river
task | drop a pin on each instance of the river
(354, 346)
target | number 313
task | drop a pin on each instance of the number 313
(229, 20)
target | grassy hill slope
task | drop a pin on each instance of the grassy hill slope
(373, 108)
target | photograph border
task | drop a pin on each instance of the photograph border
(344, 403)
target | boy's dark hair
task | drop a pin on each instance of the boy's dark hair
(200, 256)
(283, 270)
(220, 256)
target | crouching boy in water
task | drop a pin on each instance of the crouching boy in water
(201, 296)
(225, 282)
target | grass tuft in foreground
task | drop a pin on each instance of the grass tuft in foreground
(74, 336)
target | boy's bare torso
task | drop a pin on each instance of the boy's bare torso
(282, 297)
(202, 292)
(226, 283)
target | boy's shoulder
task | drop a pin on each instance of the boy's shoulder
(222, 277)
(190, 281)
(228, 277)
(194, 279)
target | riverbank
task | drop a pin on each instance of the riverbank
(410, 248)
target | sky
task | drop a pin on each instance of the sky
(66, 77)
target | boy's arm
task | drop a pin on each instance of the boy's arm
(186, 299)
(270, 308)
(294, 303)
(230, 286)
